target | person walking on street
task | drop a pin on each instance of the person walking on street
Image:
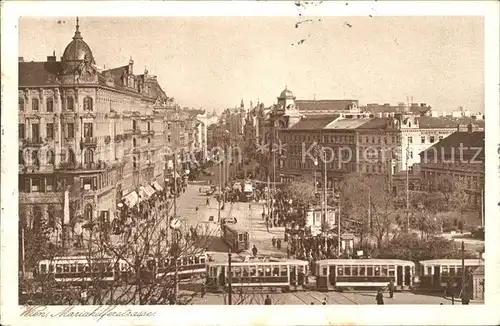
(278, 244)
(208, 201)
(465, 297)
(380, 297)
(274, 242)
(196, 209)
(203, 289)
(254, 251)
(325, 301)
(391, 289)
(267, 301)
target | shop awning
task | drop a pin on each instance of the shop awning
(157, 186)
(144, 194)
(131, 199)
(149, 190)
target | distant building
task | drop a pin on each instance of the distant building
(460, 156)
(319, 107)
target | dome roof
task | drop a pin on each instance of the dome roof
(286, 93)
(77, 49)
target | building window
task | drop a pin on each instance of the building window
(70, 130)
(70, 103)
(393, 139)
(410, 169)
(410, 140)
(22, 131)
(88, 104)
(50, 158)
(87, 130)
(134, 164)
(49, 130)
(21, 104)
(34, 104)
(134, 125)
(51, 214)
(88, 156)
(50, 105)
(169, 138)
(422, 139)
(35, 132)
(37, 184)
(149, 126)
(134, 142)
(34, 157)
(149, 140)
(432, 139)
(441, 137)
(169, 126)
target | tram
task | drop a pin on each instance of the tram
(272, 274)
(340, 274)
(439, 273)
(77, 270)
(235, 237)
(188, 267)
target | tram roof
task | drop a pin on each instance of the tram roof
(467, 262)
(237, 261)
(74, 258)
(365, 262)
(236, 227)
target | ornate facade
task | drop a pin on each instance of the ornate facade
(88, 138)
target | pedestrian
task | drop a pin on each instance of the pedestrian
(391, 289)
(249, 205)
(254, 251)
(312, 303)
(274, 242)
(196, 209)
(267, 301)
(208, 201)
(278, 244)
(465, 297)
(325, 301)
(379, 297)
(203, 289)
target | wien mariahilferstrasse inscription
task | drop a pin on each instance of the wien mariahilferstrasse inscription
(74, 311)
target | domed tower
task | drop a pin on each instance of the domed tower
(78, 64)
(286, 101)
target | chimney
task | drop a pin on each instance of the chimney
(52, 58)
(20, 59)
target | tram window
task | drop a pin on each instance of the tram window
(362, 270)
(300, 269)
(184, 261)
(260, 271)
(66, 268)
(202, 260)
(196, 260)
(325, 271)
(377, 270)
(268, 271)
(384, 271)
(245, 271)
(253, 271)
(237, 271)
(284, 270)
(459, 270)
(444, 271)
(429, 270)
(73, 268)
(240, 237)
(80, 268)
(86, 269)
(391, 272)
(43, 268)
(354, 270)
(95, 268)
(245, 236)
(452, 270)
(59, 268)
(276, 271)
(340, 271)
(348, 271)
(369, 271)
(51, 268)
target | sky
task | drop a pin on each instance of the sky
(214, 62)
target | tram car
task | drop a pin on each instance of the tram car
(346, 274)
(77, 270)
(188, 267)
(440, 273)
(270, 274)
(236, 237)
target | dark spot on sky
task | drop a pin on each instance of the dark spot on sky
(346, 3)
(347, 24)
(300, 14)
(297, 3)
(370, 15)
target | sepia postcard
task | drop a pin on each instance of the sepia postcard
(250, 163)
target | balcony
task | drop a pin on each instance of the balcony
(136, 131)
(149, 132)
(32, 142)
(89, 142)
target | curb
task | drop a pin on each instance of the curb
(460, 300)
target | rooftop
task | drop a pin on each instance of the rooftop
(315, 122)
(325, 105)
(426, 122)
(469, 141)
